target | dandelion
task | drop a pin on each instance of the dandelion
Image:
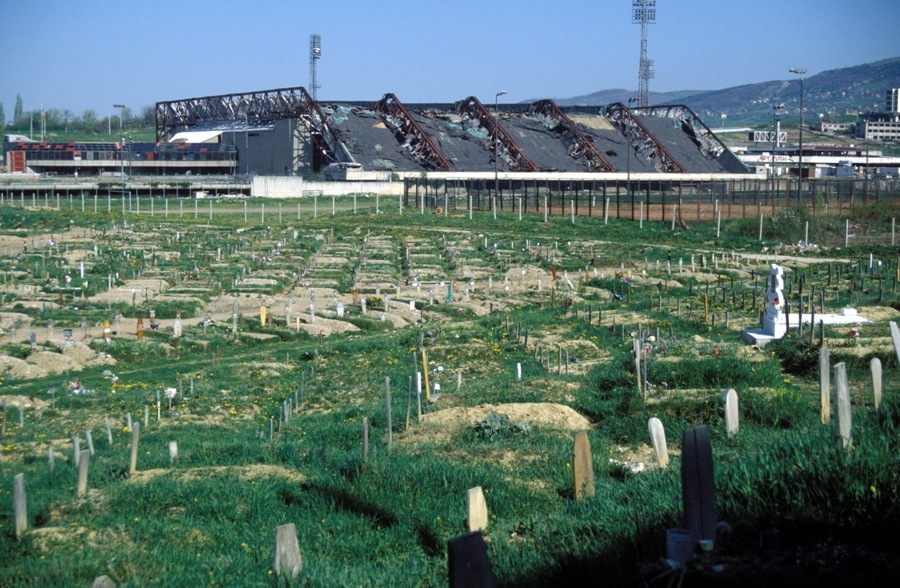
(872, 489)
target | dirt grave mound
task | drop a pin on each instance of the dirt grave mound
(555, 416)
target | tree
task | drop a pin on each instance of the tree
(89, 120)
(18, 113)
(148, 115)
(67, 116)
(2, 117)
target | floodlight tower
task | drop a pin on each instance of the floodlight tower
(643, 12)
(315, 53)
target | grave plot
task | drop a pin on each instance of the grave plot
(378, 270)
(331, 267)
(468, 263)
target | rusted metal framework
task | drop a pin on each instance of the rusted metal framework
(641, 139)
(499, 138)
(408, 132)
(254, 108)
(580, 145)
(709, 143)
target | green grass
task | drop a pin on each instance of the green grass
(209, 517)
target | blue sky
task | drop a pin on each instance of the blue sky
(91, 54)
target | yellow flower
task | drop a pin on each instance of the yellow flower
(872, 489)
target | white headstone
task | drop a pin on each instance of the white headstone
(842, 393)
(658, 438)
(731, 412)
(895, 335)
(875, 365)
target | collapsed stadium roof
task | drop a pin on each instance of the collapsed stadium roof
(466, 135)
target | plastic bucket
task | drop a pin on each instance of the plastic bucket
(679, 545)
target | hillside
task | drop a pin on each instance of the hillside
(848, 90)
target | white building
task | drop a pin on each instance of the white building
(882, 126)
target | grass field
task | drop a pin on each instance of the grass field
(268, 415)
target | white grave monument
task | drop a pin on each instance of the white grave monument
(775, 318)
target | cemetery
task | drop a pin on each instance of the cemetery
(362, 391)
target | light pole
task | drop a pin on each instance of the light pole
(497, 143)
(775, 132)
(800, 71)
(121, 108)
(631, 101)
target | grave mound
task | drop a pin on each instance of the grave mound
(537, 413)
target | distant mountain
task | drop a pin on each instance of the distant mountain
(848, 90)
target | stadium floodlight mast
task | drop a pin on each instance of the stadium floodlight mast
(497, 143)
(643, 12)
(800, 71)
(315, 53)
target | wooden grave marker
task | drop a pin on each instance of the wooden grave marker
(698, 485)
(135, 436)
(83, 464)
(825, 384)
(583, 467)
(476, 510)
(468, 563)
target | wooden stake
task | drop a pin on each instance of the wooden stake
(365, 440)
(83, 464)
(135, 436)
(583, 467)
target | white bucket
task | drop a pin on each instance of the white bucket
(679, 545)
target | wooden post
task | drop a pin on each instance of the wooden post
(90, 441)
(365, 439)
(288, 561)
(698, 485)
(425, 373)
(387, 401)
(583, 467)
(83, 463)
(20, 505)
(109, 436)
(476, 510)
(468, 563)
(135, 435)
(825, 384)
(76, 450)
